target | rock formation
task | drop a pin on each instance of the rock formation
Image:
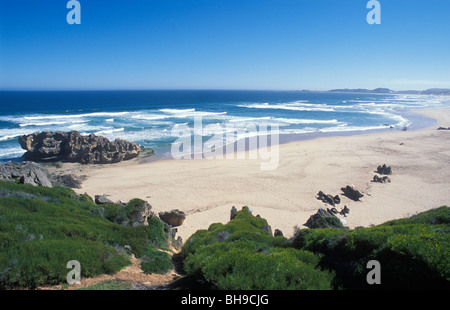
(73, 147)
(102, 199)
(174, 217)
(26, 172)
(352, 193)
(328, 198)
(324, 219)
(140, 216)
(384, 170)
(384, 179)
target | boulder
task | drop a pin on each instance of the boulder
(233, 212)
(278, 233)
(74, 147)
(384, 170)
(352, 193)
(174, 217)
(443, 128)
(102, 199)
(344, 211)
(26, 172)
(140, 216)
(324, 219)
(384, 179)
(328, 198)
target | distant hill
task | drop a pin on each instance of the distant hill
(431, 91)
(437, 91)
(363, 90)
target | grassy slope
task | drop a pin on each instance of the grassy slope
(41, 229)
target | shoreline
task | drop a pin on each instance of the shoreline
(418, 121)
(206, 189)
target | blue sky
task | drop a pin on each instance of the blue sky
(224, 44)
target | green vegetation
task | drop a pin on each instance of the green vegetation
(244, 255)
(41, 229)
(413, 253)
(156, 261)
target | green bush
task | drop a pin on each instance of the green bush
(242, 265)
(413, 252)
(156, 261)
(243, 254)
(41, 233)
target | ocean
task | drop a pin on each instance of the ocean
(148, 117)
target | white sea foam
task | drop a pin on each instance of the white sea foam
(109, 131)
(294, 106)
(11, 152)
(40, 124)
(71, 116)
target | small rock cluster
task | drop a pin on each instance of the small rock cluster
(327, 217)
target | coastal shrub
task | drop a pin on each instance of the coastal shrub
(39, 236)
(243, 254)
(245, 266)
(156, 261)
(244, 225)
(413, 252)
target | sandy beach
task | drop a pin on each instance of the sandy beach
(206, 189)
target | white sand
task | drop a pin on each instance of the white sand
(207, 189)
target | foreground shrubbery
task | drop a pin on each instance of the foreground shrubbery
(41, 229)
(244, 255)
(413, 253)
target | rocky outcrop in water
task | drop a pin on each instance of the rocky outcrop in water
(74, 147)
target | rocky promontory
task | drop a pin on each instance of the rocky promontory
(74, 147)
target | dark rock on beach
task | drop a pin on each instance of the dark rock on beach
(443, 128)
(74, 147)
(345, 211)
(328, 198)
(384, 179)
(384, 170)
(352, 193)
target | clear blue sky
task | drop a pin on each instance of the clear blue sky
(224, 44)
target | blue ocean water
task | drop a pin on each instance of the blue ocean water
(147, 117)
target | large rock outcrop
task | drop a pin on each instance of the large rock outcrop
(74, 147)
(26, 172)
